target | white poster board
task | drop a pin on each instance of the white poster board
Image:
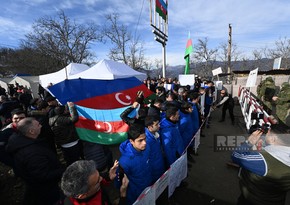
(161, 184)
(218, 85)
(277, 63)
(217, 71)
(147, 197)
(185, 80)
(177, 172)
(252, 78)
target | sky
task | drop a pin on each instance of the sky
(256, 24)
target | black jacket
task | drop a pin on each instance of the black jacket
(37, 165)
(63, 127)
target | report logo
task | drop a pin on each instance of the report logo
(228, 143)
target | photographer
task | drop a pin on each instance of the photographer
(265, 175)
(227, 103)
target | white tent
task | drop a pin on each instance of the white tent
(29, 82)
(65, 73)
(4, 83)
(109, 70)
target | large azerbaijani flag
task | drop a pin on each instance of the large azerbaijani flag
(161, 8)
(99, 104)
(188, 51)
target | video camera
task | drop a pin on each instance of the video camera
(264, 127)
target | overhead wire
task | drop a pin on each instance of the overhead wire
(140, 13)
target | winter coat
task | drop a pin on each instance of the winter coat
(156, 157)
(171, 140)
(37, 165)
(63, 127)
(137, 168)
(196, 118)
(185, 127)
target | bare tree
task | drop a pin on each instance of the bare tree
(125, 48)
(223, 55)
(62, 39)
(205, 56)
(282, 50)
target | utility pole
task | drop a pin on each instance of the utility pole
(229, 52)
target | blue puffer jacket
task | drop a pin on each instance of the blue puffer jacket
(186, 127)
(137, 168)
(171, 140)
(156, 157)
(195, 118)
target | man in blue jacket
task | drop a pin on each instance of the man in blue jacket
(134, 161)
(171, 140)
(265, 175)
(156, 157)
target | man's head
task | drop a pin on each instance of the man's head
(29, 127)
(17, 115)
(158, 103)
(186, 107)
(276, 138)
(136, 136)
(172, 114)
(81, 179)
(152, 123)
(223, 93)
(194, 97)
(51, 101)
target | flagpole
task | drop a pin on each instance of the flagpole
(160, 27)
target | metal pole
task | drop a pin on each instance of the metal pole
(164, 59)
(229, 52)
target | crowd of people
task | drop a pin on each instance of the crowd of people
(39, 142)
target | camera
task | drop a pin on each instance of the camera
(257, 115)
(263, 128)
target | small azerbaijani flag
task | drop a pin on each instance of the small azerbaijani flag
(99, 104)
(188, 51)
(161, 8)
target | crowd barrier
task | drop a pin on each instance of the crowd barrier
(250, 107)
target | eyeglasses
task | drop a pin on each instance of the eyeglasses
(223, 93)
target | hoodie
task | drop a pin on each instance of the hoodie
(137, 168)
